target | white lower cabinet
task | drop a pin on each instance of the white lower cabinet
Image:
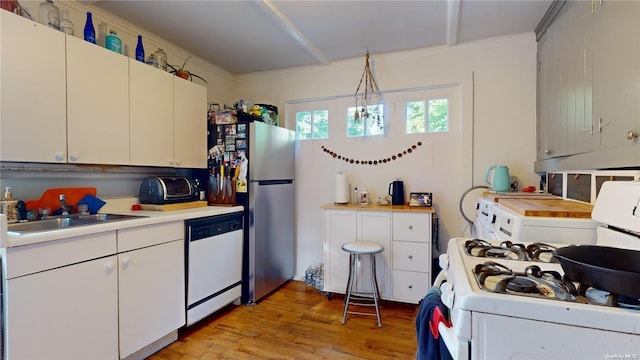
(103, 296)
(61, 299)
(151, 284)
(411, 256)
(402, 269)
(151, 294)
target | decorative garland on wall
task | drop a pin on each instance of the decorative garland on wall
(350, 160)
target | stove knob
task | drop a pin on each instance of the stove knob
(443, 261)
(448, 294)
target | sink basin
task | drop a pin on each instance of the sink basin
(63, 222)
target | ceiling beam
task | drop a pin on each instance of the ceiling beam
(295, 33)
(453, 21)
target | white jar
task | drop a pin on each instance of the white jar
(364, 197)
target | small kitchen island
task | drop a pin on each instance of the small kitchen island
(405, 232)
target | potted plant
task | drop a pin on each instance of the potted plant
(185, 74)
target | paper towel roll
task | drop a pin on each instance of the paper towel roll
(342, 189)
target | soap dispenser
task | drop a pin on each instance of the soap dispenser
(9, 206)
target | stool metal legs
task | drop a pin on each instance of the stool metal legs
(354, 298)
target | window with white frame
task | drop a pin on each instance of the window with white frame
(366, 123)
(312, 124)
(427, 116)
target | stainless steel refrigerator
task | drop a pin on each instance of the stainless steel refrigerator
(261, 157)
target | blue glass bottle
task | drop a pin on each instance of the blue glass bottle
(140, 50)
(89, 30)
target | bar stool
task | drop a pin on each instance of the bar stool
(355, 250)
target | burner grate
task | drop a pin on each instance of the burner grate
(539, 252)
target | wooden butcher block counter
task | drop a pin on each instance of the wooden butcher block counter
(548, 207)
(499, 196)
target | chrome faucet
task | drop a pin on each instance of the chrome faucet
(63, 205)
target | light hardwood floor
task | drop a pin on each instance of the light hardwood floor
(296, 322)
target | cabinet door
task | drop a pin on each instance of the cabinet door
(66, 313)
(150, 115)
(32, 91)
(151, 293)
(616, 72)
(190, 124)
(375, 226)
(97, 104)
(564, 83)
(339, 228)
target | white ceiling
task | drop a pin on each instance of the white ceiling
(248, 36)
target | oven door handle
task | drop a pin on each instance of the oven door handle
(457, 348)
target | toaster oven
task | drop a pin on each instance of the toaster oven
(162, 190)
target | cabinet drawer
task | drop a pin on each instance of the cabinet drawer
(411, 256)
(410, 286)
(23, 260)
(412, 226)
(139, 237)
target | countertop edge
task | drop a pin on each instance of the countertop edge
(376, 207)
(152, 217)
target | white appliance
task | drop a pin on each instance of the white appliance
(506, 224)
(213, 264)
(492, 318)
(481, 228)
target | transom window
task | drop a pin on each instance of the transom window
(367, 123)
(312, 124)
(427, 116)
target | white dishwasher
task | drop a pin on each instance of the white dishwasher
(213, 263)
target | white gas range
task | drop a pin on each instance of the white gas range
(514, 304)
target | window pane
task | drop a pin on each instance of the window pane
(354, 128)
(375, 120)
(438, 115)
(368, 124)
(415, 117)
(321, 124)
(303, 125)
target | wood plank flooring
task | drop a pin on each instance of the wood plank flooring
(296, 322)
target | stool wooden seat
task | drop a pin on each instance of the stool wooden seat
(355, 250)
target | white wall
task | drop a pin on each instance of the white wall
(504, 119)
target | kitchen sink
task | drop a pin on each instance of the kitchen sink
(64, 222)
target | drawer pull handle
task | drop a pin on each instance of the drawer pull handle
(410, 227)
(410, 286)
(410, 257)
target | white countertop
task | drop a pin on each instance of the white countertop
(151, 217)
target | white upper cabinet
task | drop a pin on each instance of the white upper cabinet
(97, 104)
(64, 100)
(32, 91)
(189, 124)
(150, 115)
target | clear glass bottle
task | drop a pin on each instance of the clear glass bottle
(66, 26)
(161, 60)
(151, 60)
(140, 50)
(49, 14)
(89, 30)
